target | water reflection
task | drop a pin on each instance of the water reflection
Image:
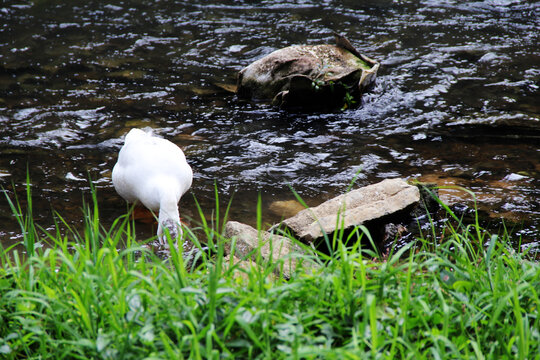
(456, 101)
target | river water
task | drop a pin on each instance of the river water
(456, 102)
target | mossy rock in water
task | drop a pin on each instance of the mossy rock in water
(310, 77)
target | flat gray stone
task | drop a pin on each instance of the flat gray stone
(354, 208)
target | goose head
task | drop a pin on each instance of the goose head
(171, 227)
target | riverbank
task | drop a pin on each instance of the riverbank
(457, 292)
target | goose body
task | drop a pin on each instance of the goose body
(154, 172)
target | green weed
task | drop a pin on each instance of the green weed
(100, 294)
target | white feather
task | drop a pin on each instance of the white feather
(153, 171)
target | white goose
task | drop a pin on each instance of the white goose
(153, 171)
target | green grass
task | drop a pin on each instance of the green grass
(99, 294)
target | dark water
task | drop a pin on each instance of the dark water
(456, 102)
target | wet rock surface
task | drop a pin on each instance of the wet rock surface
(311, 77)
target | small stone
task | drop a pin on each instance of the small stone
(229, 261)
(272, 247)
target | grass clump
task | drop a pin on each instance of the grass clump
(101, 295)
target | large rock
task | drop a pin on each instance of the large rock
(272, 247)
(312, 77)
(354, 208)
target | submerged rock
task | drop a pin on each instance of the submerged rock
(285, 208)
(311, 77)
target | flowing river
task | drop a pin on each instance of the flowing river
(457, 102)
